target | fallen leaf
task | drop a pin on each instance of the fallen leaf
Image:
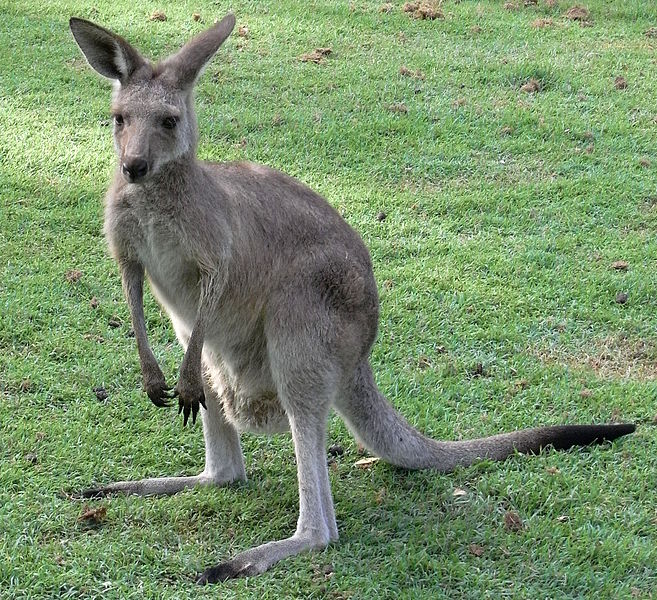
(157, 15)
(380, 495)
(196, 17)
(398, 107)
(577, 13)
(367, 463)
(316, 56)
(620, 83)
(586, 393)
(93, 515)
(541, 23)
(423, 10)
(423, 362)
(531, 87)
(459, 493)
(620, 265)
(243, 31)
(476, 549)
(73, 275)
(651, 33)
(406, 72)
(512, 521)
(553, 470)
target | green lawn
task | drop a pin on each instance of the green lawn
(506, 211)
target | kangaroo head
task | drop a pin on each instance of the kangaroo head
(152, 104)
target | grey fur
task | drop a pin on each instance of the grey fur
(270, 292)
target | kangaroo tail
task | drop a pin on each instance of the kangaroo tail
(383, 431)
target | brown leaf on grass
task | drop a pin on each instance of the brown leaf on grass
(531, 87)
(620, 265)
(577, 13)
(404, 71)
(157, 15)
(423, 10)
(476, 549)
(317, 56)
(367, 463)
(196, 17)
(459, 493)
(512, 521)
(563, 518)
(424, 362)
(553, 470)
(93, 515)
(620, 83)
(398, 107)
(73, 275)
(243, 31)
(651, 33)
(541, 23)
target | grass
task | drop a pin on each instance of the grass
(505, 211)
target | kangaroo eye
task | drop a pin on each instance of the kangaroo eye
(118, 120)
(169, 122)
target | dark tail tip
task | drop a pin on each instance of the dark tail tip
(567, 436)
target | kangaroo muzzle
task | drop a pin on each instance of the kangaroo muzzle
(134, 169)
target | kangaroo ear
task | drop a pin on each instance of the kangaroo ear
(106, 52)
(186, 65)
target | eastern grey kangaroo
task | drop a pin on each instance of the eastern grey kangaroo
(270, 292)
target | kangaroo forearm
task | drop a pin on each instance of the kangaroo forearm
(132, 277)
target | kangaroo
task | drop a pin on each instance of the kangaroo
(270, 292)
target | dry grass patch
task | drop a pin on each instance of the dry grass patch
(611, 357)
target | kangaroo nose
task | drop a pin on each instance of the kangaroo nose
(134, 169)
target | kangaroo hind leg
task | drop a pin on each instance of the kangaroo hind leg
(224, 462)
